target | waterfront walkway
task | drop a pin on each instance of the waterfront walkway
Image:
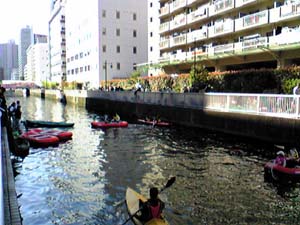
(9, 209)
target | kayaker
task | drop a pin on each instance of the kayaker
(116, 118)
(280, 159)
(152, 208)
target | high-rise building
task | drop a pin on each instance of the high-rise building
(8, 59)
(153, 37)
(228, 34)
(57, 42)
(37, 63)
(26, 39)
(106, 40)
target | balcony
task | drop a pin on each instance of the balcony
(178, 40)
(164, 44)
(220, 6)
(178, 21)
(197, 35)
(197, 15)
(221, 49)
(164, 27)
(165, 10)
(252, 20)
(221, 27)
(177, 5)
(239, 3)
(289, 36)
(285, 12)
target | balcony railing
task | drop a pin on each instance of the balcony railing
(179, 40)
(165, 10)
(179, 20)
(164, 44)
(197, 15)
(260, 43)
(164, 27)
(221, 6)
(177, 5)
(221, 28)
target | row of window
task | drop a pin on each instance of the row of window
(118, 15)
(118, 32)
(118, 49)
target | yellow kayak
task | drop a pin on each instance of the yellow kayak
(132, 202)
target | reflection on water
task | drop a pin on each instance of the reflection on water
(219, 180)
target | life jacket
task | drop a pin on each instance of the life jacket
(155, 211)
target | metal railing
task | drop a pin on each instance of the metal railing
(259, 104)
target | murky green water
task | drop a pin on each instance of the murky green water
(219, 180)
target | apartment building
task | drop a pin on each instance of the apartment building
(57, 42)
(228, 34)
(104, 39)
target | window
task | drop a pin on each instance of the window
(151, 34)
(151, 19)
(103, 13)
(151, 4)
(104, 48)
(118, 32)
(118, 14)
(134, 50)
(151, 49)
(134, 16)
(104, 31)
(118, 66)
(134, 33)
(118, 49)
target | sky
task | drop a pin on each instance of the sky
(16, 14)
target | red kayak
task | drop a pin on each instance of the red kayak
(102, 124)
(44, 138)
(288, 173)
(40, 140)
(155, 123)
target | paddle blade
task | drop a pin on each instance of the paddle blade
(170, 182)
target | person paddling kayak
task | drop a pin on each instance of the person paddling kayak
(152, 208)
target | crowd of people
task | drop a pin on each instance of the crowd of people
(15, 114)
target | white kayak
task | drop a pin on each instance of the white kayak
(132, 202)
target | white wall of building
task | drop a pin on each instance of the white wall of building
(37, 63)
(153, 35)
(94, 36)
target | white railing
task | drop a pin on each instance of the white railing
(285, 106)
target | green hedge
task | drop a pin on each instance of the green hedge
(279, 81)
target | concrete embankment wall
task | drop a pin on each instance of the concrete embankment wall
(271, 129)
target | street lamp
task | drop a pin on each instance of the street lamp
(105, 68)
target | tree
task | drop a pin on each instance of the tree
(198, 78)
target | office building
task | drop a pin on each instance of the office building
(37, 69)
(228, 34)
(8, 59)
(57, 42)
(26, 39)
(104, 41)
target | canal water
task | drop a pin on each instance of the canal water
(219, 179)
